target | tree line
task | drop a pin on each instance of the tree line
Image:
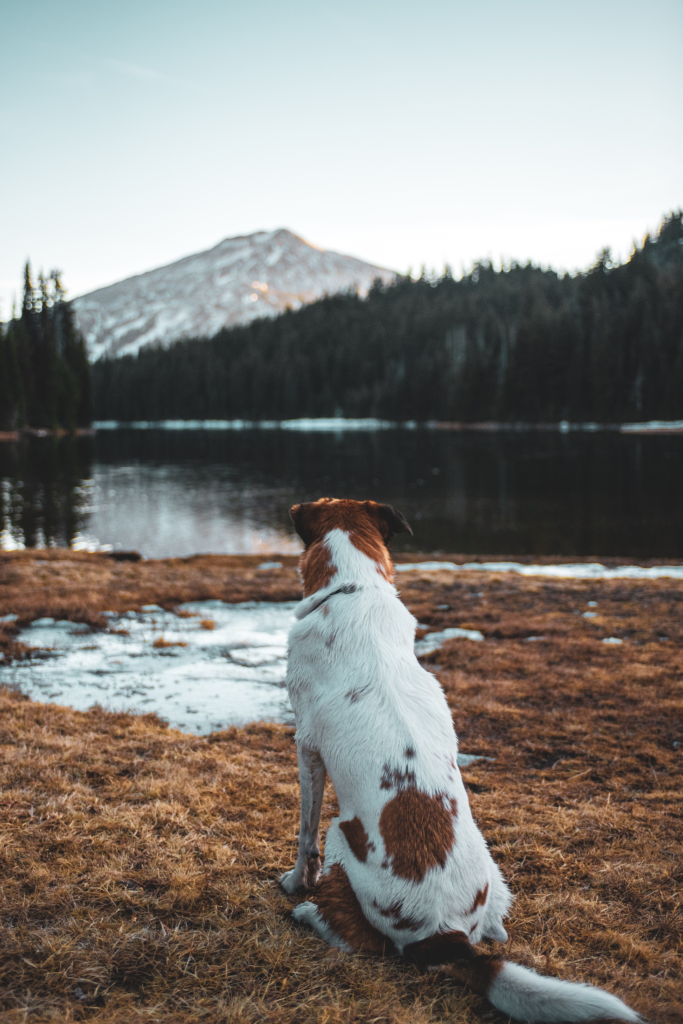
(44, 369)
(520, 343)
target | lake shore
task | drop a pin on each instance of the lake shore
(140, 862)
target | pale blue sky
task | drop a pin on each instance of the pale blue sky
(138, 131)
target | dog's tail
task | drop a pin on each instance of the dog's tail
(520, 992)
(528, 996)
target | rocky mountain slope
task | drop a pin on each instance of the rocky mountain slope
(238, 280)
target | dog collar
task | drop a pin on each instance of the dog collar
(309, 604)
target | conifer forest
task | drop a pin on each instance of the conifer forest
(516, 344)
(44, 369)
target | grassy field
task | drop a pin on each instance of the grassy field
(139, 863)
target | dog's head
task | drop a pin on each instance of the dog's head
(370, 526)
(314, 519)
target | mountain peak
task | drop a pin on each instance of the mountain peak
(238, 280)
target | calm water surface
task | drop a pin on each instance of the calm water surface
(178, 492)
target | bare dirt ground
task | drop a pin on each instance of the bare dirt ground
(139, 864)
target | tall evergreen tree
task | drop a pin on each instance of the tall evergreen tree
(44, 370)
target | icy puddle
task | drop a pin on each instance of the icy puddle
(199, 679)
(212, 666)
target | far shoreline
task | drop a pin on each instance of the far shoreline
(342, 424)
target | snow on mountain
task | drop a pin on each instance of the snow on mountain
(238, 280)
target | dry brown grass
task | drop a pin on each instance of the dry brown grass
(139, 863)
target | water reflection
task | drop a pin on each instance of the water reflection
(45, 491)
(179, 492)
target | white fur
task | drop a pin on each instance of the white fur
(528, 996)
(361, 698)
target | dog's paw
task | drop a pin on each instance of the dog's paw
(305, 913)
(292, 882)
(302, 877)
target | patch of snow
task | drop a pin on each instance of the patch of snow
(433, 641)
(325, 424)
(81, 542)
(336, 423)
(466, 759)
(10, 542)
(578, 570)
(655, 425)
(612, 640)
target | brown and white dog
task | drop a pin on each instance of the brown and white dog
(406, 869)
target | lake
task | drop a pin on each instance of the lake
(178, 492)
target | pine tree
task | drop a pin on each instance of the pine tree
(44, 371)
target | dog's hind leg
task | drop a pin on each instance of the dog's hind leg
(306, 872)
(308, 914)
(497, 907)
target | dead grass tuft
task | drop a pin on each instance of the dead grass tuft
(139, 863)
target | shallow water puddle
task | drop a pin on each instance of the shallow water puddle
(199, 679)
(214, 665)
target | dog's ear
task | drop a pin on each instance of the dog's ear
(301, 521)
(394, 522)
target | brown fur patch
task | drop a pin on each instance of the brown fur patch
(312, 871)
(479, 899)
(367, 539)
(441, 948)
(364, 522)
(409, 752)
(418, 833)
(478, 970)
(317, 567)
(357, 838)
(340, 909)
(399, 922)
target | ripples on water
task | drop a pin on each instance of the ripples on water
(178, 492)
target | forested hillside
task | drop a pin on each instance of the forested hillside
(516, 344)
(44, 370)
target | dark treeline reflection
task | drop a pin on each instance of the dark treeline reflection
(45, 485)
(481, 493)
